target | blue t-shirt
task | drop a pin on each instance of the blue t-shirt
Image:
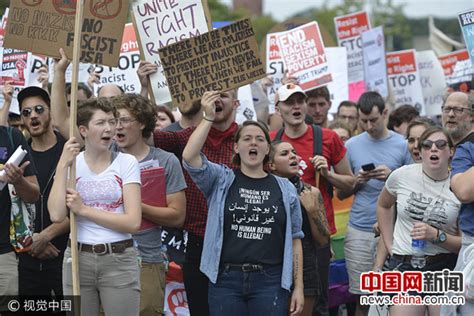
(463, 160)
(391, 151)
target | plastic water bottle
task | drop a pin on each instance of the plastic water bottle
(418, 254)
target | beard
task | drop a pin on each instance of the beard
(45, 124)
(192, 110)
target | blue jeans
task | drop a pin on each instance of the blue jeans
(248, 293)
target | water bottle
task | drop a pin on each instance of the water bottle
(418, 254)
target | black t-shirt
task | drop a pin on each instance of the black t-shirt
(46, 162)
(300, 186)
(6, 150)
(254, 221)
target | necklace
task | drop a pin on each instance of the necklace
(445, 180)
(440, 180)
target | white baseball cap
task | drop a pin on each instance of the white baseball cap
(286, 91)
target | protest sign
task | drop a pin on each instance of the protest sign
(462, 76)
(448, 61)
(375, 68)
(84, 71)
(404, 79)
(43, 27)
(159, 24)
(432, 81)
(219, 60)
(466, 20)
(3, 26)
(302, 52)
(14, 66)
(125, 75)
(275, 68)
(246, 110)
(348, 30)
(339, 86)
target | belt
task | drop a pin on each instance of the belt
(104, 248)
(245, 267)
(428, 259)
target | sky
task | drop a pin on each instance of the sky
(282, 9)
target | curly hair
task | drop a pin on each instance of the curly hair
(140, 108)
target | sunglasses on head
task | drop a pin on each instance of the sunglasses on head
(27, 111)
(440, 144)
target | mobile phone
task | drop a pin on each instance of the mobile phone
(368, 167)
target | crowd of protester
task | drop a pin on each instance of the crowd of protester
(256, 200)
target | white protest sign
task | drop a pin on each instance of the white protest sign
(302, 51)
(348, 30)
(339, 87)
(84, 71)
(462, 73)
(160, 23)
(404, 79)
(246, 110)
(375, 68)
(125, 75)
(432, 81)
(448, 61)
(275, 69)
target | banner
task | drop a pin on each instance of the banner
(42, 27)
(303, 55)
(432, 81)
(14, 66)
(466, 20)
(125, 75)
(161, 23)
(348, 30)
(375, 68)
(339, 86)
(219, 60)
(404, 79)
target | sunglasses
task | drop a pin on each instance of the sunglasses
(27, 111)
(440, 144)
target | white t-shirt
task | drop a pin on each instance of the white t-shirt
(421, 199)
(104, 192)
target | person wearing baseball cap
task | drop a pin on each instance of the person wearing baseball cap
(290, 104)
(40, 270)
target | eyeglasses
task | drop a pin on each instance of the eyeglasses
(125, 121)
(457, 111)
(440, 144)
(27, 111)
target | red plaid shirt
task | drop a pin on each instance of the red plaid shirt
(196, 205)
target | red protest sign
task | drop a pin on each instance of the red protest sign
(302, 50)
(351, 25)
(448, 61)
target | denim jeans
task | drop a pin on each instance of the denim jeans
(248, 293)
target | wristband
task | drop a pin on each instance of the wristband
(207, 119)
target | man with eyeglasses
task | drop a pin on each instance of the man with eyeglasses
(40, 270)
(457, 116)
(460, 105)
(347, 112)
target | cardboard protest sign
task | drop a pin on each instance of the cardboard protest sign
(159, 24)
(375, 68)
(432, 81)
(404, 79)
(348, 30)
(339, 86)
(219, 60)
(302, 51)
(466, 20)
(246, 110)
(43, 27)
(125, 75)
